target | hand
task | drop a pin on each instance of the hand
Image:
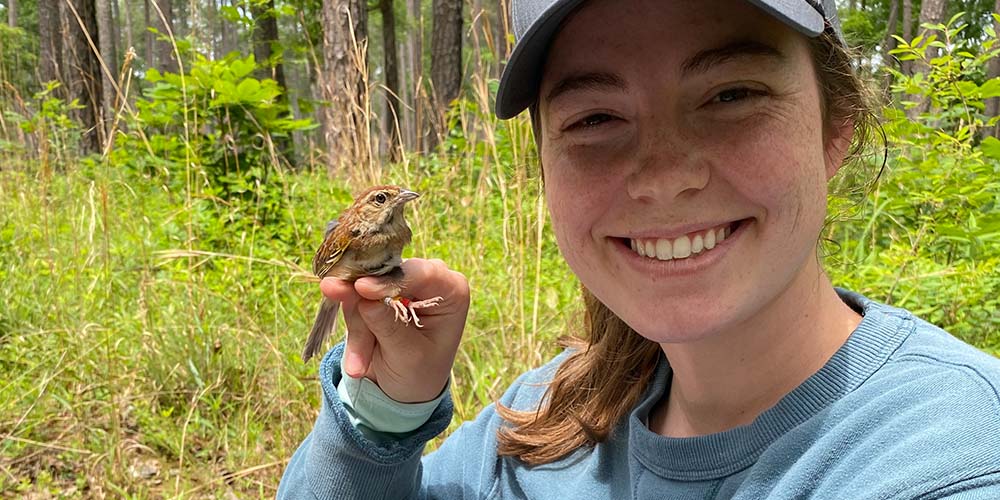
(409, 364)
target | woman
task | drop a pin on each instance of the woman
(686, 149)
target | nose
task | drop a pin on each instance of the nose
(667, 166)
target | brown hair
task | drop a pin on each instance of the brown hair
(608, 371)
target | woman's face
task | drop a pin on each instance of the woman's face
(685, 161)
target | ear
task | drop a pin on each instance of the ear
(838, 142)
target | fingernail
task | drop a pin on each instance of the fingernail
(354, 365)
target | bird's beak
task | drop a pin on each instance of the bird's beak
(407, 195)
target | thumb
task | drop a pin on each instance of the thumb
(358, 351)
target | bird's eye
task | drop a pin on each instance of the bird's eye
(380, 198)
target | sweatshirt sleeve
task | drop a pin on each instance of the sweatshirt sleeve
(337, 461)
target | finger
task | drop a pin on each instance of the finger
(422, 279)
(338, 290)
(360, 345)
(380, 320)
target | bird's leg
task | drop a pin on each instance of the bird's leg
(398, 307)
(406, 308)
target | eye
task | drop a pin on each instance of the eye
(593, 120)
(380, 198)
(736, 94)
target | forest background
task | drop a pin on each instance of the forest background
(167, 168)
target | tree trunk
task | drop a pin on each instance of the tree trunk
(165, 58)
(224, 32)
(391, 78)
(50, 54)
(265, 41)
(906, 66)
(84, 71)
(344, 87)
(265, 36)
(446, 61)
(888, 44)
(179, 21)
(415, 43)
(147, 11)
(116, 34)
(12, 13)
(106, 45)
(931, 11)
(127, 13)
(993, 71)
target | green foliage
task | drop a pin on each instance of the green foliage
(928, 238)
(52, 122)
(18, 57)
(217, 127)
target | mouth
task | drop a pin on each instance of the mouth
(685, 246)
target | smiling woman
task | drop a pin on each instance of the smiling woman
(686, 148)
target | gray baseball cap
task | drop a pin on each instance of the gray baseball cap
(537, 21)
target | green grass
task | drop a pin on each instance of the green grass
(150, 329)
(140, 337)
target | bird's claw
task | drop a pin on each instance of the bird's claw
(405, 309)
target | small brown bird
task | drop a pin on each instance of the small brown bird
(366, 240)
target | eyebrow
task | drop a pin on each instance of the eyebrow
(587, 81)
(706, 59)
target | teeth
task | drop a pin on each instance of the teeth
(681, 247)
(663, 250)
(697, 244)
(709, 240)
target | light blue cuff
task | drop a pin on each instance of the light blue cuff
(375, 414)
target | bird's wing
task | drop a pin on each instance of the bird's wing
(330, 253)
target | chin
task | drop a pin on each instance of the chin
(676, 335)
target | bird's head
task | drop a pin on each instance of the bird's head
(379, 205)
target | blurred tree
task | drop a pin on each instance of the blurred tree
(888, 44)
(49, 42)
(163, 22)
(268, 53)
(391, 70)
(266, 42)
(83, 71)
(12, 13)
(931, 12)
(106, 45)
(446, 61)
(907, 66)
(147, 13)
(414, 125)
(993, 71)
(345, 118)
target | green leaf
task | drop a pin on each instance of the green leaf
(990, 89)
(991, 147)
(248, 89)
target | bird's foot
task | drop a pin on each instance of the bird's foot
(405, 309)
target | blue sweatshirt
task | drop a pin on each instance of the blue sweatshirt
(902, 410)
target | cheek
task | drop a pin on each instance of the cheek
(780, 167)
(576, 203)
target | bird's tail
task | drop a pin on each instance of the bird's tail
(325, 320)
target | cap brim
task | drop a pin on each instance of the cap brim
(523, 72)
